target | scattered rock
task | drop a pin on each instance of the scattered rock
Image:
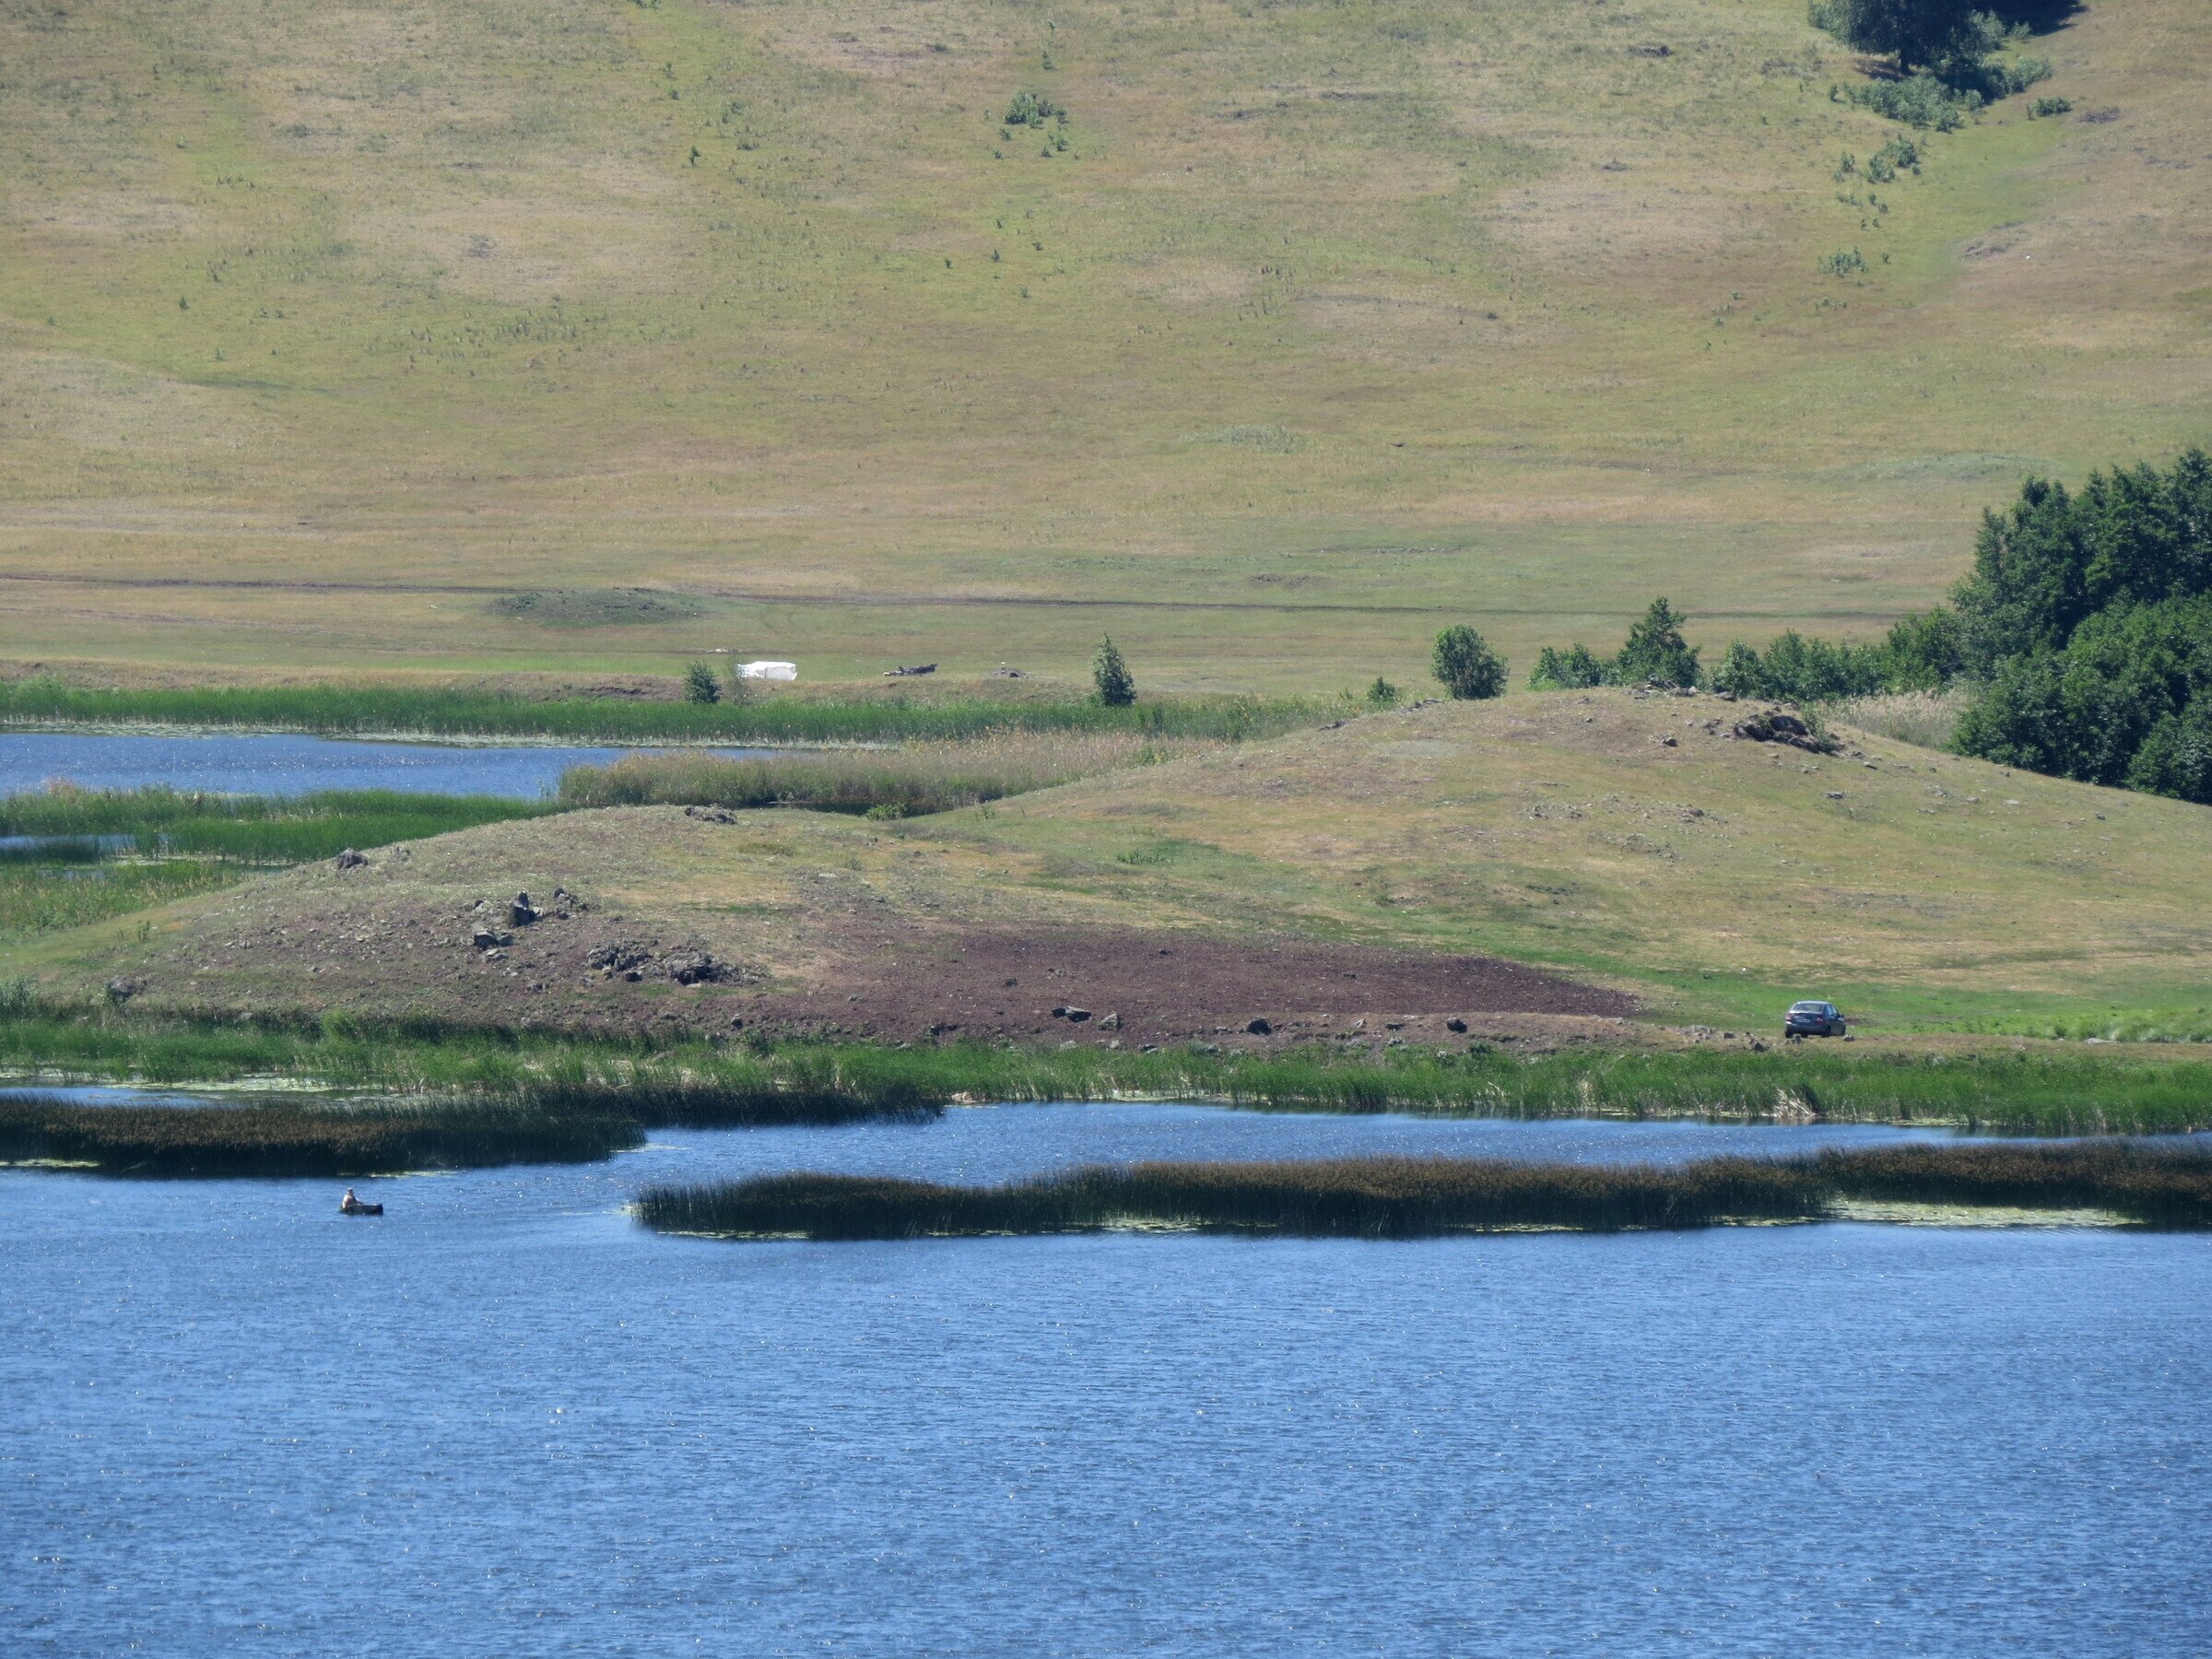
(352, 858)
(1455, 1024)
(621, 957)
(918, 668)
(711, 815)
(490, 938)
(1666, 742)
(521, 912)
(1835, 795)
(1077, 1016)
(694, 968)
(1111, 1022)
(123, 990)
(1258, 1028)
(1652, 49)
(1772, 725)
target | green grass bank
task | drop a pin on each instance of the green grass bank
(352, 711)
(2027, 1093)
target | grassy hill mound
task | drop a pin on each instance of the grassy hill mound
(1633, 838)
(1620, 846)
(1282, 332)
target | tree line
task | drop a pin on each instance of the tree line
(2084, 631)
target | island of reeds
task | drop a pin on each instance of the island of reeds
(547, 1121)
(1414, 1197)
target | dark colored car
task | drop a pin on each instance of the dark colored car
(1813, 1019)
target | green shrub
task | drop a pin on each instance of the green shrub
(1110, 674)
(1655, 651)
(1573, 669)
(1381, 694)
(1466, 663)
(700, 684)
(2044, 108)
(1033, 110)
(1845, 261)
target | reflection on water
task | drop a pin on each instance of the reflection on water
(288, 764)
(504, 1420)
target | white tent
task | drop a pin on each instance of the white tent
(769, 671)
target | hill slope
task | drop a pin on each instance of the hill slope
(1377, 869)
(1326, 321)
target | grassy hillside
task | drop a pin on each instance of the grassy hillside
(1622, 840)
(1327, 321)
(1711, 875)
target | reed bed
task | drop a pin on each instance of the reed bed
(100, 853)
(292, 1140)
(1358, 1197)
(2031, 1094)
(777, 718)
(48, 895)
(1926, 719)
(919, 778)
(543, 1123)
(2159, 1186)
(1411, 1197)
(247, 828)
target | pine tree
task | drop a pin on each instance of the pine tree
(1116, 689)
(1657, 651)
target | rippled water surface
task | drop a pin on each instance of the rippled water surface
(504, 1420)
(288, 764)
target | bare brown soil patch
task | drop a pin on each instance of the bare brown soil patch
(795, 925)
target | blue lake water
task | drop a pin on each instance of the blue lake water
(278, 763)
(504, 1420)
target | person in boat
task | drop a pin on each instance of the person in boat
(349, 1204)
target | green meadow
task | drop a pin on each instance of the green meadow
(554, 335)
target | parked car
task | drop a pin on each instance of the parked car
(1813, 1019)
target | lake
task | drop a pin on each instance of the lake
(285, 763)
(504, 1420)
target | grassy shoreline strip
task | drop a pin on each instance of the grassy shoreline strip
(906, 782)
(2014, 1093)
(1414, 1197)
(357, 711)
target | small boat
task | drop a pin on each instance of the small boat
(360, 1209)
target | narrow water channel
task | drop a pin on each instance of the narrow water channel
(285, 764)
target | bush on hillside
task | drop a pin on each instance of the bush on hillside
(1920, 654)
(700, 684)
(1574, 669)
(1655, 651)
(1467, 667)
(1117, 688)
